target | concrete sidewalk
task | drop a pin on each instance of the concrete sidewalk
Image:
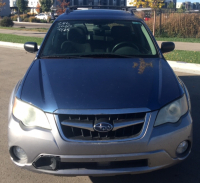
(178, 45)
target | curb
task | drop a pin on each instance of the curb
(13, 45)
(176, 65)
(185, 67)
(16, 22)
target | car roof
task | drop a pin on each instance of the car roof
(97, 14)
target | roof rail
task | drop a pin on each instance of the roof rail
(125, 8)
(68, 10)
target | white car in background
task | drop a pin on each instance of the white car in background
(41, 16)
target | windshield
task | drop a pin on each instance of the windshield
(98, 38)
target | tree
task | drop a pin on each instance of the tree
(45, 5)
(22, 5)
(170, 5)
(154, 4)
(62, 6)
(181, 9)
(38, 8)
(2, 4)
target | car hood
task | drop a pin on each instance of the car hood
(116, 83)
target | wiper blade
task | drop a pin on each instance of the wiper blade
(61, 56)
(99, 55)
(107, 55)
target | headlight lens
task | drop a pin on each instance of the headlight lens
(29, 115)
(172, 112)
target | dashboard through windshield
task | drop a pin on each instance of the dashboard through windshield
(98, 38)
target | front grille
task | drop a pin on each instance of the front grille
(80, 127)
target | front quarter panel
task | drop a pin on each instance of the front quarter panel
(12, 97)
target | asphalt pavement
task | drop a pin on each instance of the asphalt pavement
(13, 65)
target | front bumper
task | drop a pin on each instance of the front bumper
(158, 147)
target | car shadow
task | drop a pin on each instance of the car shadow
(185, 172)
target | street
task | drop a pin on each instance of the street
(13, 65)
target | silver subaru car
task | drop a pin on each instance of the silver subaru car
(99, 99)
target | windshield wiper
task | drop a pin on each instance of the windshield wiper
(107, 55)
(99, 55)
(61, 56)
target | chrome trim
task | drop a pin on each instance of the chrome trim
(82, 124)
(100, 111)
(142, 134)
(121, 124)
(100, 127)
(88, 125)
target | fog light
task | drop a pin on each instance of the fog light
(19, 153)
(182, 147)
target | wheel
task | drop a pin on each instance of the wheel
(122, 44)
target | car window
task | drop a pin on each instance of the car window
(98, 37)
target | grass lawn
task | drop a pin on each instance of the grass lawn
(176, 55)
(26, 29)
(174, 39)
(185, 56)
(19, 39)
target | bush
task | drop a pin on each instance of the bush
(49, 19)
(23, 16)
(6, 22)
(14, 18)
(26, 20)
(33, 19)
(177, 25)
(43, 21)
(31, 14)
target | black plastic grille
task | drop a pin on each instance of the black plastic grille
(54, 163)
(105, 165)
(77, 133)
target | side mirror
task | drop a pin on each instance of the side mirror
(167, 47)
(31, 47)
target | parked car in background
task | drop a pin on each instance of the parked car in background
(42, 16)
(99, 99)
(147, 18)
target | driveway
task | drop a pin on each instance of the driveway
(13, 65)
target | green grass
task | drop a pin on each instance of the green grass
(26, 29)
(185, 56)
(19, 39)
(176, 55)
(174, 39)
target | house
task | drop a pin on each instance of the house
(31, 4)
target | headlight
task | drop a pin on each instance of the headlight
(172, 112)
(30, 116)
